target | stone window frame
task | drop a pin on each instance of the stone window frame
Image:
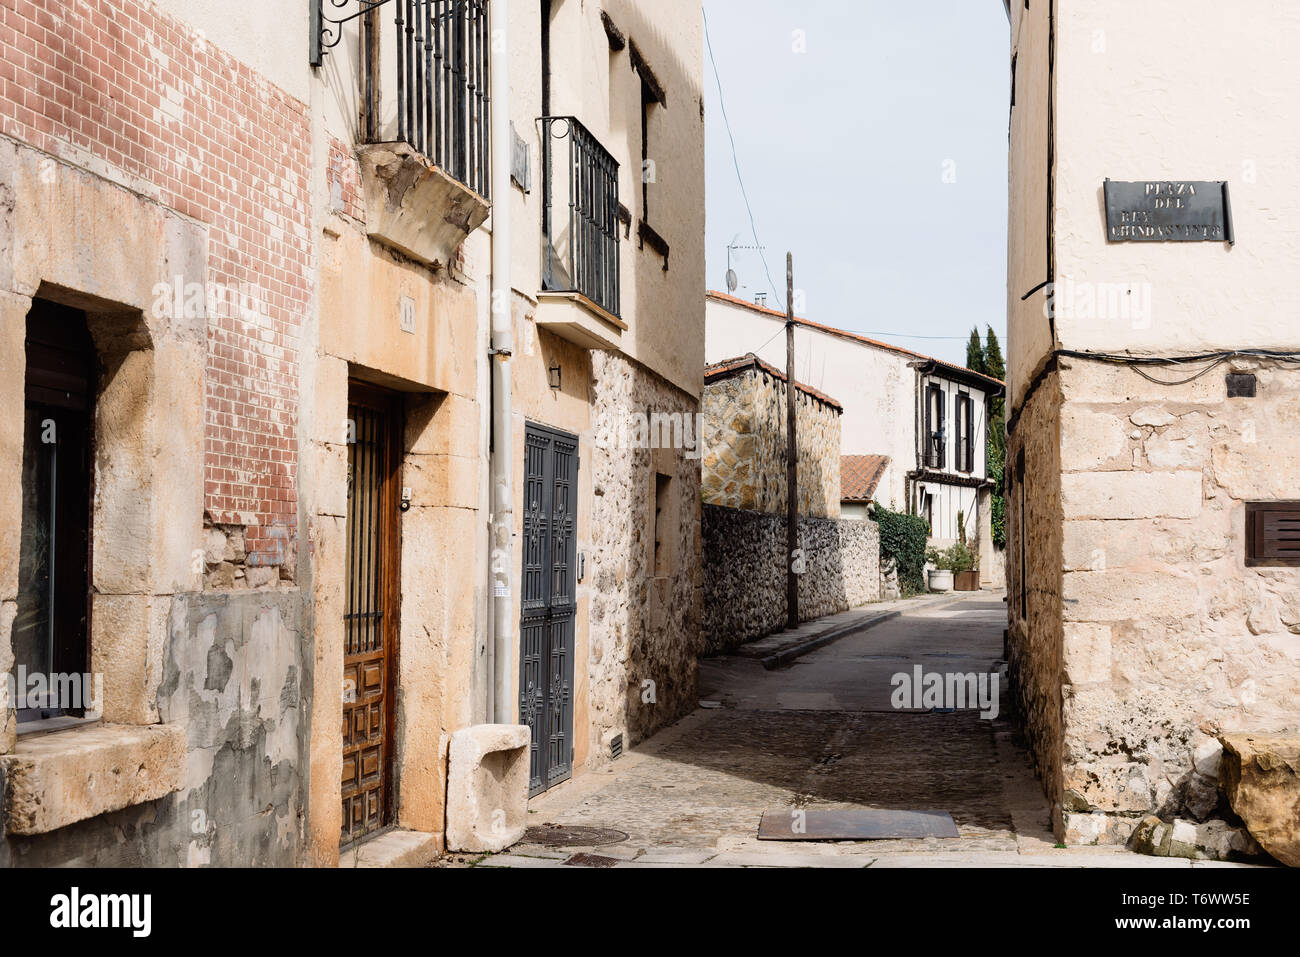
(79, 240)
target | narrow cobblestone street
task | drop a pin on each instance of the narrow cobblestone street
(821, 733)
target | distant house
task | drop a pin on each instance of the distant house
(922, 423)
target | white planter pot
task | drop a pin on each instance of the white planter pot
(940, 581)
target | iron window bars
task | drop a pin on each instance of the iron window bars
(582, 257)
(442, 56)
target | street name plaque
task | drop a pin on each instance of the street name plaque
(1168, 211)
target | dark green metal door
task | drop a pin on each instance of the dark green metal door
(548, 606)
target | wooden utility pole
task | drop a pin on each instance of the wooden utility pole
(791, 456)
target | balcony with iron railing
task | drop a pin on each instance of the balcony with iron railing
(422, 73)
(935, 451)
(580, 242)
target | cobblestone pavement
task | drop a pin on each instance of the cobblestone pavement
(822, 734)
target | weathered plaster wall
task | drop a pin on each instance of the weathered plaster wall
(234, 679)
(1218, 110)
(745, 446)
(1029, 331)
(744, 577)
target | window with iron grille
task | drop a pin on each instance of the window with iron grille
(580, 251)
(435, 98)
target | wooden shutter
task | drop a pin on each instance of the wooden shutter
(1272, 533)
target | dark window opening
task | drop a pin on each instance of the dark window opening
(663, 526)
(51, 633)
(1022, 521)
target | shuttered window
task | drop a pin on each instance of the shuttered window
(1272, 533)
(935, 437)
(965, 433)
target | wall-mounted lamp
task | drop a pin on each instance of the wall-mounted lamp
(553, 376)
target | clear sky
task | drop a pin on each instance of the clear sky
(872, 138)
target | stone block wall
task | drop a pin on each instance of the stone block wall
(745, 443)
(745, 572)
(1167, 639)
(644, 622)
(1033, 560)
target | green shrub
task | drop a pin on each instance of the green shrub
(902, 541)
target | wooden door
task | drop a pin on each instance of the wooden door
(548, 607)
(370, 611)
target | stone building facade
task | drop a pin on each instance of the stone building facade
(265, 303)
(1152, 408)
(745, 441)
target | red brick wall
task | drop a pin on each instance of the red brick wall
(345, 181)
(187, 124)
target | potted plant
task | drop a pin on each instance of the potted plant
(950, 565)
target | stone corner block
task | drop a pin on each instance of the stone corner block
(487, 787)
(53, 780)
(1131, 495)
(1260, 774)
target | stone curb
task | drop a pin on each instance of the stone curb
(787, 655)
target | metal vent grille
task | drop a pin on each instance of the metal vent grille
(616, 746)
(1273, 533)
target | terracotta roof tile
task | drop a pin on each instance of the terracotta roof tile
(859, 476)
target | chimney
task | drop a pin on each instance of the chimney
(760, 299)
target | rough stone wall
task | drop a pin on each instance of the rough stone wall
(1169, 639)
(643, 628)
(1034, 582)
(745, 572)
(232, 679)
(745, 446)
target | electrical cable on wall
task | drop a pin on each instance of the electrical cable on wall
(1215, 360)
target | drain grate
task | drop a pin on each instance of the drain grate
(559, 835)
(591, 860)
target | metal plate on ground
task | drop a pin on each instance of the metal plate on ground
(591, 860)
(797, 824)
(559, 835)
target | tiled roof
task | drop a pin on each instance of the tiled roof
(859, 476)
(856, 337)
(730, 367)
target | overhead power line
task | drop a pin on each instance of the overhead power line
(736, 162)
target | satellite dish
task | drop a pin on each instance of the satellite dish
(733, 281)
